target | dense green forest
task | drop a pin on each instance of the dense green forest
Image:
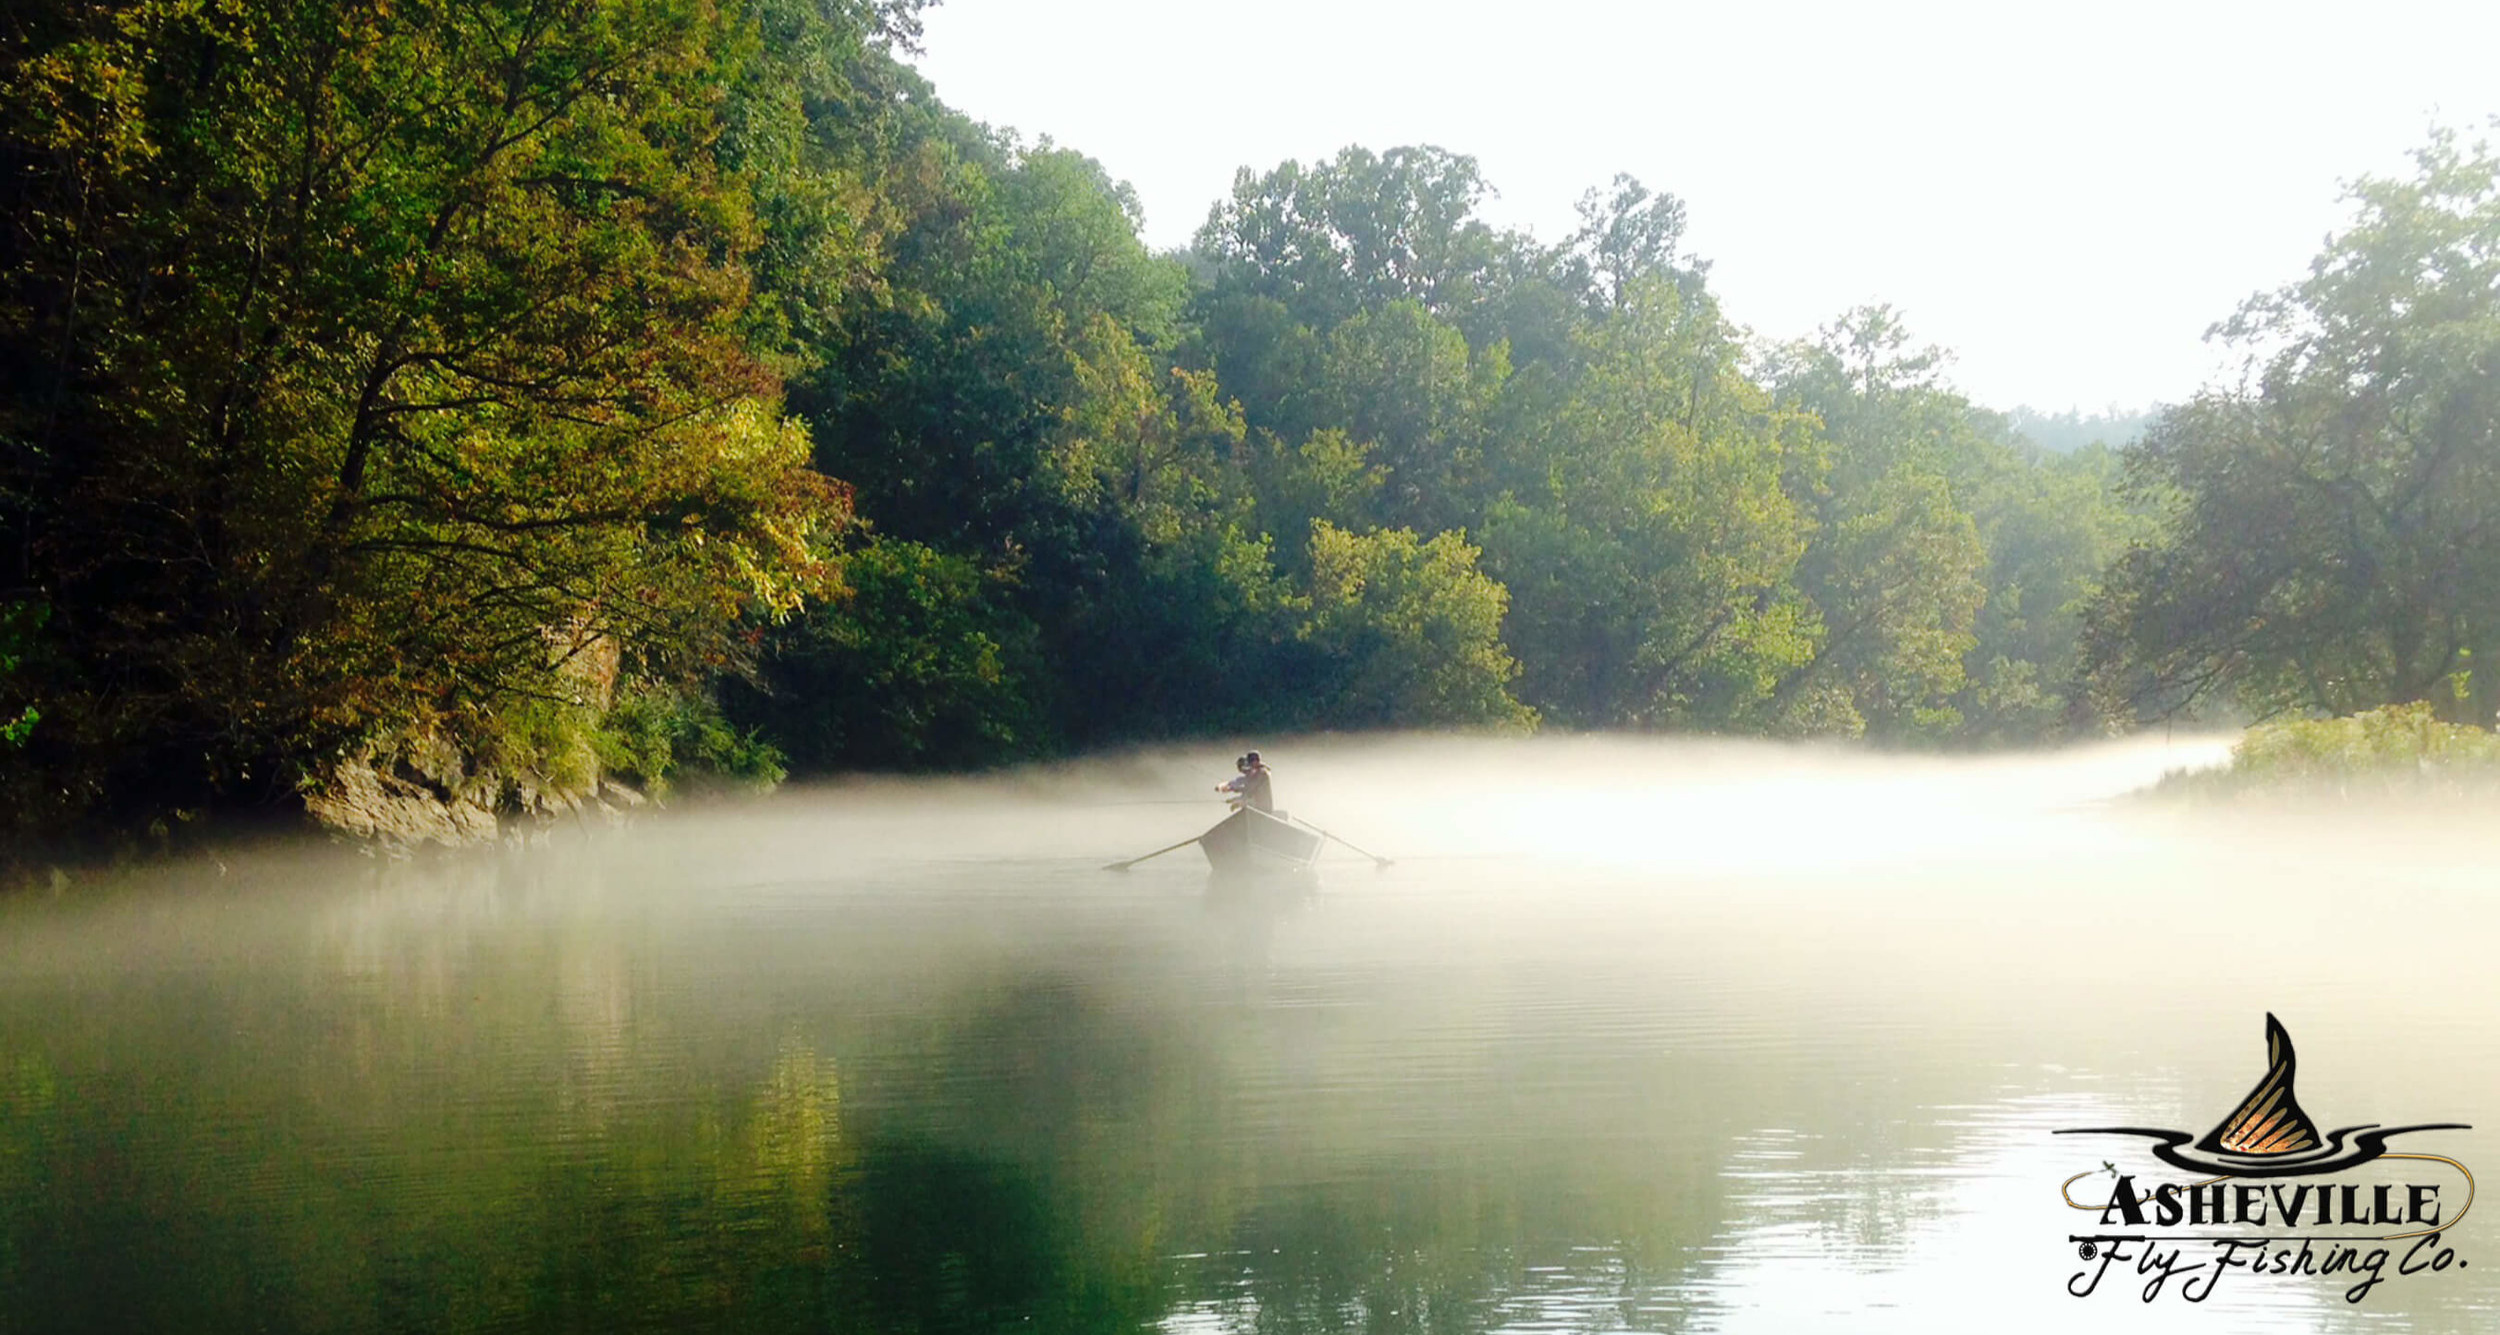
(493, 394)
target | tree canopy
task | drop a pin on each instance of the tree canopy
(2330, 542)
(658, 381)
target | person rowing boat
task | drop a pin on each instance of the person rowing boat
(1253, 787)
(1256, 837)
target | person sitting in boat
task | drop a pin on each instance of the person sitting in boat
(1252, 787)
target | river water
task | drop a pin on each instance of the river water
(1631, 1036)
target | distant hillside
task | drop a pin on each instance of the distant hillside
(2069, 431)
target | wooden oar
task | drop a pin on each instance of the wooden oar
(1377, 860)
(1124, 866)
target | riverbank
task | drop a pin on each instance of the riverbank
(2396, 753)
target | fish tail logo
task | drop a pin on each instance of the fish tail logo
(2248, 1202)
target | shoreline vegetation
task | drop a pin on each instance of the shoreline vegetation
(431, 419)
(2398, 751)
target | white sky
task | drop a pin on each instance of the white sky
(2064, 195)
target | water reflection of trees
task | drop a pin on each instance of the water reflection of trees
(497, 1105)
(436, 1145)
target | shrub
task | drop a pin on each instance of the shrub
(2392, 749)
(661, 737)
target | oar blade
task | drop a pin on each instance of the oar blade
(1379, 863)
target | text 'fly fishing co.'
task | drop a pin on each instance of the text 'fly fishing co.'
(2259, 1202)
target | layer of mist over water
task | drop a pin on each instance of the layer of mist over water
(1633, 1035)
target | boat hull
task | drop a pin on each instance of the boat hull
(1252, 842)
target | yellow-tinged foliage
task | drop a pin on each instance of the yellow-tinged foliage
(1413, 628)
(395, 354)
(2395, 748)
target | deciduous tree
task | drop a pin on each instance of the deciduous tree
(2334, 538)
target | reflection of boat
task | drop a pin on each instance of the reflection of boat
(1255, 901)
(1251, 841)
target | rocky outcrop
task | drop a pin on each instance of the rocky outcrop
(420, 788)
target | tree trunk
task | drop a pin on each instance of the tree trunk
(2482, 695)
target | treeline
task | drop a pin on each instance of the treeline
(490, 394)
(401, 375)
(2330, 540)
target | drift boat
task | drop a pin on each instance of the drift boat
(1251, 841)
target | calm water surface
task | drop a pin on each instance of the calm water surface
(1658, 1037)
